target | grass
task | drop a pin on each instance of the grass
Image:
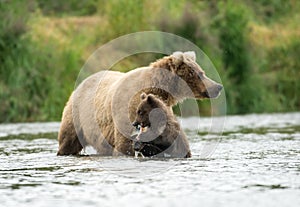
(43, 47)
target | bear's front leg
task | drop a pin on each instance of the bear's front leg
(123, 145)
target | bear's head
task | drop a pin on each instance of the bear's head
(184, 66)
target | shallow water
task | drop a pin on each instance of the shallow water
(256, 163)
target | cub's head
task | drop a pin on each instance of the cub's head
(147, 104)
(184, 65)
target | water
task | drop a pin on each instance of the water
(257, 163)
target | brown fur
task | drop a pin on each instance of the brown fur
(100, 111)
(163, 130)
(68, 138)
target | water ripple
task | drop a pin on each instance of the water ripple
(256, 163)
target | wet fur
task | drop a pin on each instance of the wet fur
(170, 140)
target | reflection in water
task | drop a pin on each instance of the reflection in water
(257, 161)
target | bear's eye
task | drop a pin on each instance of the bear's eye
(140, 112)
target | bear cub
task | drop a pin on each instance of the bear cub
(159, 134)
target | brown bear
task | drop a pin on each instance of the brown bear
(160, 133)
(101, 109)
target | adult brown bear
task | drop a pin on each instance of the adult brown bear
(101, 109)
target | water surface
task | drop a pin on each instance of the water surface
(256, 163)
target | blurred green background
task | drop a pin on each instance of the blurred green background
(255, 46)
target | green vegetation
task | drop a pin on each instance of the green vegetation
(255, 46)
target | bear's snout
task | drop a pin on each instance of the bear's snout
(219, 87)
(214, 91)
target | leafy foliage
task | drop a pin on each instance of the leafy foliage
(43, 44)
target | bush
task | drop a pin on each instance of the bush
(16, 61)
(38, 66)
(68, 8)
(35, 79)
(245, 91)
(285, 61)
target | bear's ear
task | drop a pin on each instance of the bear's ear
(150, 99)
(177, 57)
(143, 96)
(190, 55)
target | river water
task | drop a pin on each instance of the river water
(256, 162)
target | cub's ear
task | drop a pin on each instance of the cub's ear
(191, 55)
(143, 96)
(150, 99)
(177, 57)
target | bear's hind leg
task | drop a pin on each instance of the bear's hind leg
(69, 143)
(69, 148)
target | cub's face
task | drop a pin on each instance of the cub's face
(142, 114)
(187, 69)
(148, 103)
